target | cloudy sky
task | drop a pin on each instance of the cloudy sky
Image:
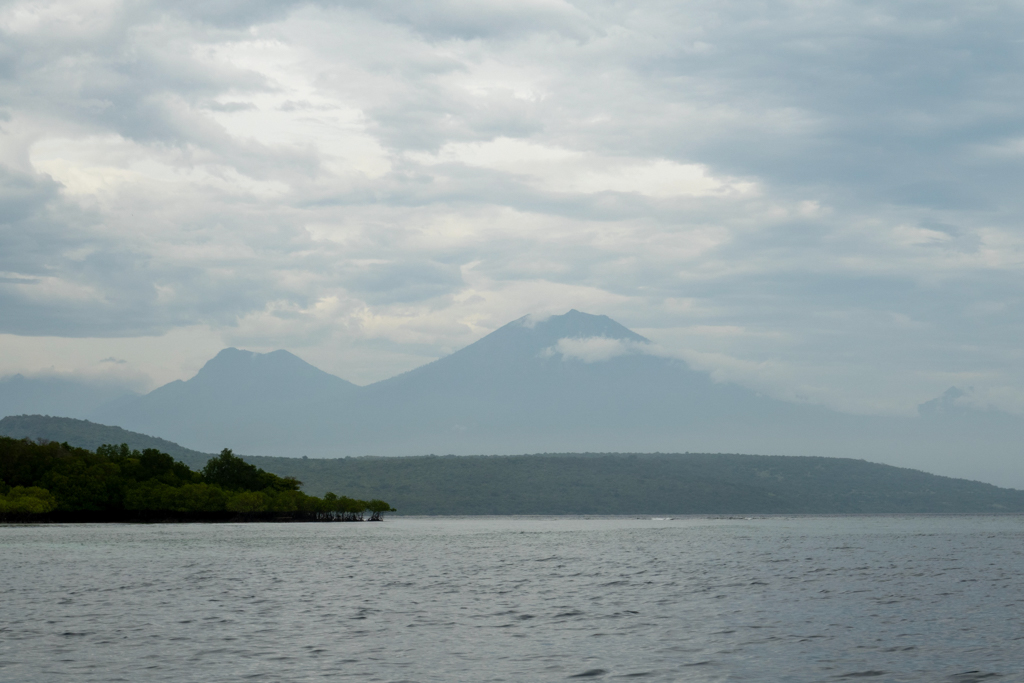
(819, 200)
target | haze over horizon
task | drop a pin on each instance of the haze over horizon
(816, 203)
(567, 383)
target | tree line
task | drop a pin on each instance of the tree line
(48, 478)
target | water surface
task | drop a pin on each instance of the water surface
(883, 598)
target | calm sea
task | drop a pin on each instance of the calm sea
(886, 598)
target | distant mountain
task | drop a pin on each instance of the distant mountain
(261, 402)
(575, 483)
(568, 383)
(573, 382)
(54, 395)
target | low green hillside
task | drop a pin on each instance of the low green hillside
(89, 435)
(643, 484)
(598, 483)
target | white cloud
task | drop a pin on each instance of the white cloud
(820, 201)
(592, 349)
(58, 19)
(562, 170)
(104, 167)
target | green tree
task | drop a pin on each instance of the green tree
(234, 474)
(149, 464)
(351, 509)
(247, 501)
(377, 509)
(48, 476)
(88, 482)
(201, 498)
(27, 499)
(292, 501)
(150, 495)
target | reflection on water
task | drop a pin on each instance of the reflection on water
(517, 599)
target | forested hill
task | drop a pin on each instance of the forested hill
(89, 435)
(592, 483)
(684, 483)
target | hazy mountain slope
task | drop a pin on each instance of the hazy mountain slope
(85, 434)
(569, 383)
(261, 402)
(536, 386)
(520, 389)
(56, 395)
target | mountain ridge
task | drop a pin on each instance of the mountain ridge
(567, 383)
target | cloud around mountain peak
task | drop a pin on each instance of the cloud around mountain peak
(592, 349)
(566, 383)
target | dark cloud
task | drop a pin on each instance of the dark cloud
(23, 196)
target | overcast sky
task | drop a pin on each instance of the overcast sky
(819, 200)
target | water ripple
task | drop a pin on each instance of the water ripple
(800, 599)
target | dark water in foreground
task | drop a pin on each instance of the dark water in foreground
(517, 599)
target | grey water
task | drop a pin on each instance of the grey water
(883, 598)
